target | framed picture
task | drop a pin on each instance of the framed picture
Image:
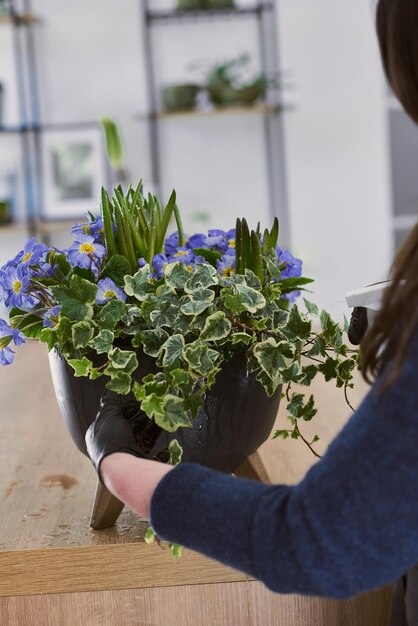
(74, 170)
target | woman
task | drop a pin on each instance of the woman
(352, 523)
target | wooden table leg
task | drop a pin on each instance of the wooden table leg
(106, 508)
(254, 468)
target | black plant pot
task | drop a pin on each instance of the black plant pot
(236, 419)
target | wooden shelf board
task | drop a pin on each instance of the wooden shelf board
(19, 19)
(204, 14)
(257, 109)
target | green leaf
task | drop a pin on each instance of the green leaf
(281, 434)
(252, 280)
(164, 315)
(195, 307)
(274, 357)
(103, 343)
(200, 358)
(173, 349)
(202, 294)
(234, 302)
(116, 269)
(153, 340)
(76, 299)
(241, 338)
(311, 307)
(309, 372)
(176, 550)
(202, 275)
(298, 325)
(176, 452)
(270, 385)
(252, 300)
(280, 318)
(125, 360)
(216, 327)
(81, 366)
(174, 416)
(328, 326)
(176, 275)
(63, 330)
(82, 333)
(152, 405)
(110, 314)
(181, 380)
(150, 535)
(138, 285)
(120, 382)
(30, 325)
(329, 368)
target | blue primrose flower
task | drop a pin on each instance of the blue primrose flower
(32, 252)
(196, 241)
(85, 252)
(292, 266)
(107, 290)
(51, 316)
(7, 335)
(15, 283)
(171, 244)
(159, 263)
(183, 255)
(142, 262)
(216, 242)
(93, 227)
(226, 265)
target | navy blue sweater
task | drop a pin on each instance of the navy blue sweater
(350, 525)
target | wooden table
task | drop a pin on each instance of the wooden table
(56, 571)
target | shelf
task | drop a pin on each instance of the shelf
(25, 128)
(202, 14)
(19, 19)
(260, 109)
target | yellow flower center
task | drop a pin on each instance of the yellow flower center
(27, 257)
(109, 294)
(227, 271)
(189, 268)
(180, 253)
(87, 248)
(231, 243)
(17, 286)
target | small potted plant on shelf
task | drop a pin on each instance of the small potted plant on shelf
(203, 330)
(229, 83)
(179, 97)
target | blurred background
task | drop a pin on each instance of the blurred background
(246, 108)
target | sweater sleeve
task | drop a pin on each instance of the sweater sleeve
(350, 525)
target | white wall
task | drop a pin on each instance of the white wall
(336, 138)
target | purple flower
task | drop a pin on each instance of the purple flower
(159, 262)
(85, 252)
(32, 252)
(196, 241)
(183, 255)
(141, 262)
(51, 316)
(217, 232)
(7, 335)
(107, 290)
(226, 265)
(216, 242)
(45, 269)
(289, 265)
(15, 282)
(93, 227)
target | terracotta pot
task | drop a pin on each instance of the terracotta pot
(236, 419)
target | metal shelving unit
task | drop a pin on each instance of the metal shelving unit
(270, 109)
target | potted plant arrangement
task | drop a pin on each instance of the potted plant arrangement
(204, 329)
(179, 97)
(228, 83)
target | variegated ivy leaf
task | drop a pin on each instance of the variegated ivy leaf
(81, 366)
(81, 333)
(244, 338)
(200, 358)
(311, 307)
(252, 300)
(252, 280)
(216, 327)
(298, 407)
(152, 405)
(111, 314)
(202, 294)
(274, 357)
(173, 349)
(103, 343)
(176, 452)
(123, 360)
(269, 385)
(176, 275)
(280, 318)
(174, 414)
(195, 307)
(120, 382)
(138, 285)
(153, 340)
(164, 315)
(298, 325)
(201, 276)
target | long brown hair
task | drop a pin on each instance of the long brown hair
(391, 333)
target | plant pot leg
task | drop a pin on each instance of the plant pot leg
(106, 508)
(254, 468)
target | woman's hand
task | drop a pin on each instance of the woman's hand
(119, 461)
